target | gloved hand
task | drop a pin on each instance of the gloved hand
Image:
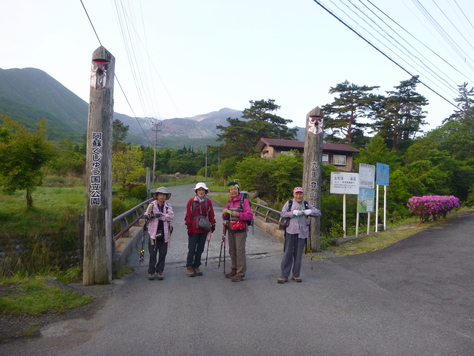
(157, 215)
(307, 211)
(297, 212)
(190, 232)
(147, 217)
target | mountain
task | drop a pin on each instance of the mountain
(29, 94)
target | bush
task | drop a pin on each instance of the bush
(432, 206)
(138, 192)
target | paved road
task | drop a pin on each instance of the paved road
(413, 298)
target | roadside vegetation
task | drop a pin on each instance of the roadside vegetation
(43, 184)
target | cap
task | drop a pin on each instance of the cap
(298, 190)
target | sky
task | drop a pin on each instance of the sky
(183, 58)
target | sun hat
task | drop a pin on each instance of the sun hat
(298, 190)
(163, 190)
(201, 185)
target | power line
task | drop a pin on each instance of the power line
(380, 51)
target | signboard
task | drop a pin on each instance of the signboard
(344, 183)
(366, 176)
(383, 174)
(365, 200)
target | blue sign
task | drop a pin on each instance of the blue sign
(382, 174)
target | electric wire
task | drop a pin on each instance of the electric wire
(381, 52)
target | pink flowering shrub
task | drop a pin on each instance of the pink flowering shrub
(432, 206)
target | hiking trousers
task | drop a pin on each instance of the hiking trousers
(160, 248)
(196, 244)
(237, 241)
(292, 255)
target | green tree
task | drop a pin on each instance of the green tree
(127, 165)
(401, 114)
(22, 155)
(377, 151)
(274, 178)
(343, 117)
(241, 136)
(119, 134)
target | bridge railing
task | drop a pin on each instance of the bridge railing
(268, 214)
(130, 218)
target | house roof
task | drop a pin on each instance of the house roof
(299, 145)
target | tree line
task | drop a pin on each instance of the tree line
(385, 128)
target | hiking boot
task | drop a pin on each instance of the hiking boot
(160, 276)
(190, 271)
(232, 273)
(238, 277)
(151, 276)
(197, 272)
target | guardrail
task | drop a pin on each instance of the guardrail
(268, 214)
(136, 213)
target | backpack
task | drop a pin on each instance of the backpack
(286, 221)
(243, 195)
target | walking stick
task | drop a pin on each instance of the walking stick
(207, 253)
(142, 251)
(224, 229)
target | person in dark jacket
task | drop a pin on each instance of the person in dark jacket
(236, 214)
(198, 207)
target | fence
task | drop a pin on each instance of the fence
(136, 213)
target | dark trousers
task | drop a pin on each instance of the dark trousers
(160, 248)
(196, 243)
(292, 255)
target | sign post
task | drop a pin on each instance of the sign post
(344, 183)
(98, 239)
(312, 171)
(382, 178)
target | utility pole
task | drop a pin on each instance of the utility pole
(98, 232)
(312, 172)
(206, 162)
(156, 128)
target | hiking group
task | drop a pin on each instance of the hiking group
(237, 216)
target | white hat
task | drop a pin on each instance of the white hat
(201, 185)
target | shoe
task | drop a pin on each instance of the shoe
(238, 277)
(160, 276)
(232, 273)
(151, 276)
(197, 272)
(296, 279)
(190, 271)
(282, 280)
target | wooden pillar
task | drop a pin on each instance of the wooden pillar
(312, 172)
(98, 234)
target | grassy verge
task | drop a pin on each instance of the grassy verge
(33, 296)
(381, 240)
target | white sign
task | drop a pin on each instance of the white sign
(366, 176)
(344, 183)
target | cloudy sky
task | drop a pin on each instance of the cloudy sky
(183, 58)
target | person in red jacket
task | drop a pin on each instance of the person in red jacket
(236, 214)
(198, 210)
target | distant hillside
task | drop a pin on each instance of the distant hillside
(30, 94)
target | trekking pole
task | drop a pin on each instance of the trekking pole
(142, 250)
(220, 254)
(207, 253)
(311, 247)
(224, 230)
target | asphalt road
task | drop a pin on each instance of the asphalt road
(413, 298)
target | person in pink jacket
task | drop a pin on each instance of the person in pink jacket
(236, 214)
(159, 215)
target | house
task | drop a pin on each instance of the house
(339, 154)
